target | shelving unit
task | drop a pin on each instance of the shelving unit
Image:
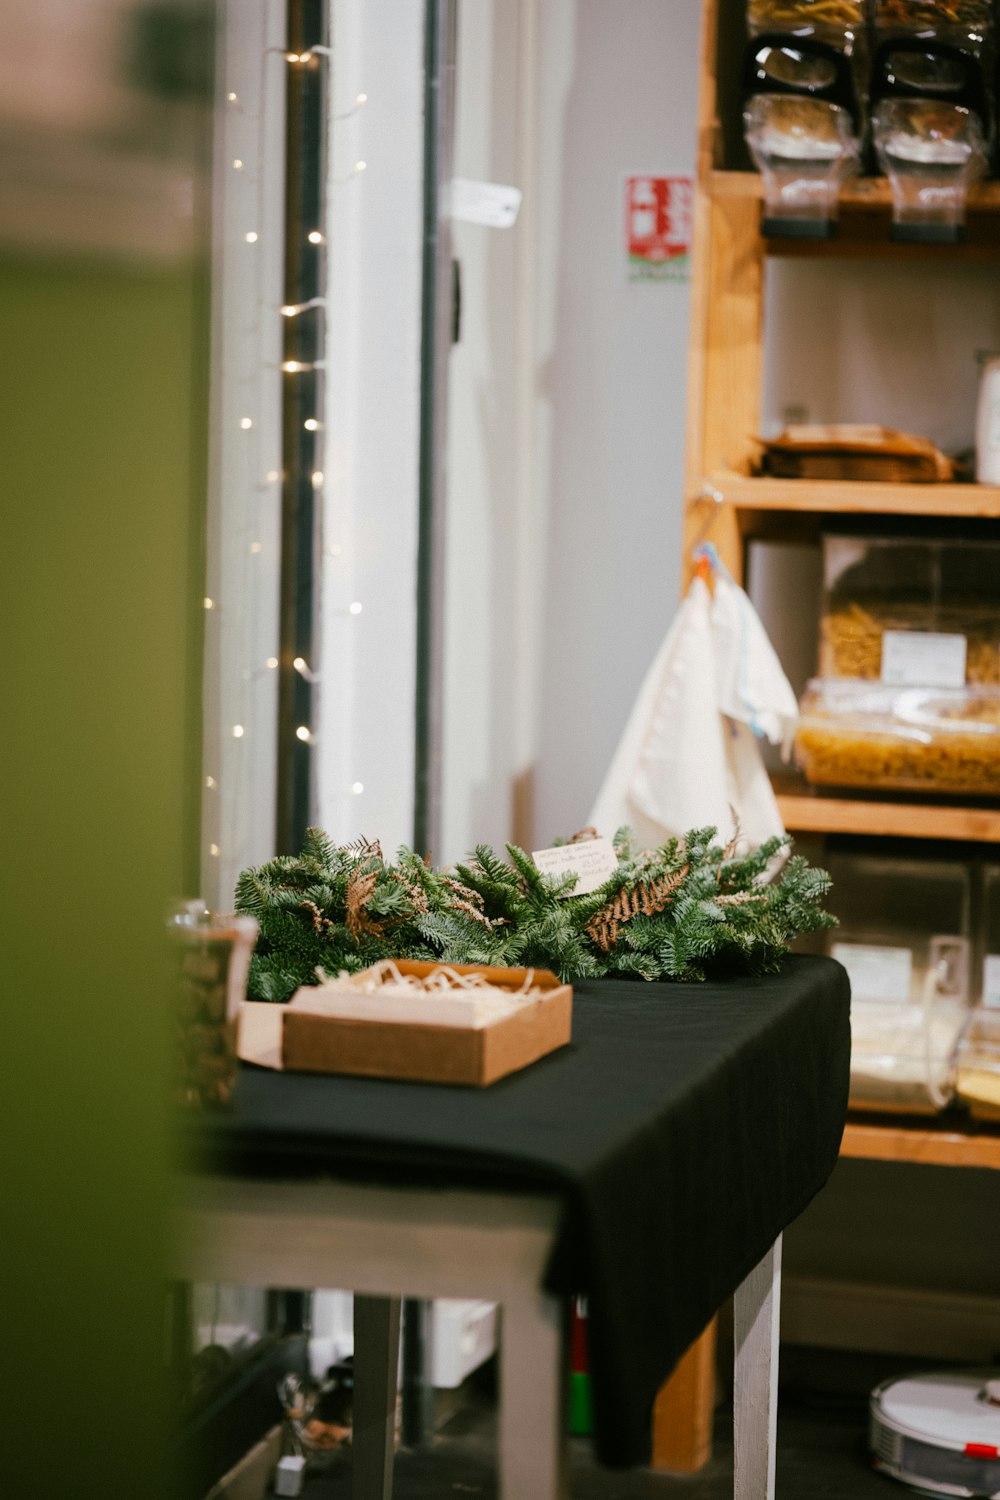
(729, 505)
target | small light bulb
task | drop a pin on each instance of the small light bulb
(357, 787)
(291, 57)
(272, 476)
(310, 424)
(238, 731)
(355, 608)
(237, 164)
(213, 849)
(303, 733)
(360, 166)
(300, 664)
(208, 603)
(315, 237)
(210, 783)
(362, 99)
(289, 310)
(256, 546)
(272, 662)
(251, 236)
(336, 549)
(317, 479)
(291, 366)
(246, 423)
(305, 57)
(232, 97)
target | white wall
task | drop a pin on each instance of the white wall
(881, 341)
(566, 423)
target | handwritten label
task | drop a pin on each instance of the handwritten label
(593, 860)
(923, 658)
(991, 980)
(489, 203)
(876, 973)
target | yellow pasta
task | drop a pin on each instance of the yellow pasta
(851, 640)
(941, 759)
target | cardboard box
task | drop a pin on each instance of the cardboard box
(477, 1055)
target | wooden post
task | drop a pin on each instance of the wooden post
(682, 1412)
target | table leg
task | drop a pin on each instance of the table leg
(533, 1381)
(376, 1361)
(756, 1308)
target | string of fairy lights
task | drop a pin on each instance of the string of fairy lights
(265, 487)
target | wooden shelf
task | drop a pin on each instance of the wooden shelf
(859, 193)
(864, 219)
(805, 812)
(853, 497)
(929, 1145)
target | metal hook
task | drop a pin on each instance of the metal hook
(718, 499)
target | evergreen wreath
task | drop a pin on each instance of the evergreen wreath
(692, 909)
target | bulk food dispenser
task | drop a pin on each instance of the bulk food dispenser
(904, 938)
(803, 117)
(932, 112)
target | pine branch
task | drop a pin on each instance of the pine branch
(690, 909)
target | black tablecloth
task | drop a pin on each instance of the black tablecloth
(684, 1127)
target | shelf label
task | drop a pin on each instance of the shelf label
(923, 658)
(991, 980)
(876, 973)
(494, 204)
(593, 860)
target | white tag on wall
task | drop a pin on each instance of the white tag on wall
(593, 860)
(876, 973)
(991, 980)
(490, 203)
(923, 658)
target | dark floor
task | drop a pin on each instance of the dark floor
(822, 1454)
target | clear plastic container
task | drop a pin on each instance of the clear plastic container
(911, 612)
(804, 149)
(986, 989)
(868, 735)
(904, 940)
(803, 83)
(931, 110)
(977, 1081)
(931, 153)
(213, 959)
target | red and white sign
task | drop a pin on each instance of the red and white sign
(658, 227)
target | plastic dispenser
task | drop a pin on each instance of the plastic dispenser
(904, 939)
(932, 115)
(803, 111)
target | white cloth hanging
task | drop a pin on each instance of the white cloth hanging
(751, 686)
(688, 756)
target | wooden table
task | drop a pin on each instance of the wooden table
(648, 1166)
(386, 1242)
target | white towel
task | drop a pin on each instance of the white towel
(688, 756)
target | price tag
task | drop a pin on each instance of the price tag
(923, 658)
(490, 203)
(593, 860)
(991, 980)
(876, 973)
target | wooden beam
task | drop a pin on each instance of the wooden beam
(682, 1412)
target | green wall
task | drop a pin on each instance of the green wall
(103, 409)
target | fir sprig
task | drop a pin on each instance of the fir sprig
(689, 910)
